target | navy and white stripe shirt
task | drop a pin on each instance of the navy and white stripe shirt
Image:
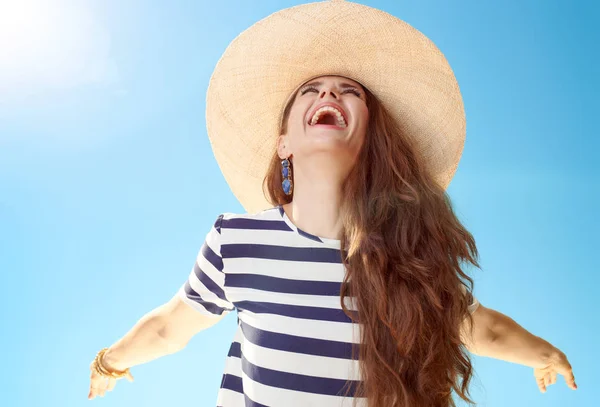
(293, 341)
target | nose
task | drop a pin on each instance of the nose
(326, 91)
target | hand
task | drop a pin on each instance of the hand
(557, 362)
(99, 384)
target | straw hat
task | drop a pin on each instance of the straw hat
(265, 64)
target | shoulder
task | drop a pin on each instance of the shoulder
(236, 230)
(228, 220)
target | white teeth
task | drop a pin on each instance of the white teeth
(340, 117)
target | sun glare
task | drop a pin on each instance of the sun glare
(50, 45)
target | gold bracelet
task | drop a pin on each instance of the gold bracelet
(103, 370)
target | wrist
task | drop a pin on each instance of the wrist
(547, 352)
(111, 362)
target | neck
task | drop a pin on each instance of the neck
(315, 207)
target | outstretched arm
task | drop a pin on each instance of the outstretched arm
(498, 336)
(165, 330)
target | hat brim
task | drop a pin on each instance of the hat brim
(264, 64)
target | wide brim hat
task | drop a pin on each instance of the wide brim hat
(268, 62)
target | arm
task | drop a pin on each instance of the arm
(498, 336)
(477, 340)
(163, 331)
(199, 303)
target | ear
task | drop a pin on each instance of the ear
(282, 148)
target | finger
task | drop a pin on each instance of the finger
(100, 391)
(111, 384)
(129, 376)
(553, 377)
(98, 386)
(94, 392)
(540, 383)
(547, 380)
(570, 379)
(566, 370)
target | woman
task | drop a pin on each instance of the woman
(345, 273)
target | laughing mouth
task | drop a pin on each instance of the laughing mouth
(328, 115)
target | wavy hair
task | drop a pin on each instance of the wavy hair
(404, 248)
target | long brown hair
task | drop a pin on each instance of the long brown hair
(403, 246)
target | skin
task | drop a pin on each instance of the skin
(321, 160)
(321, 157)
(498, 336)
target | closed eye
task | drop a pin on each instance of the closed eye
(312, 88)
(355, 91)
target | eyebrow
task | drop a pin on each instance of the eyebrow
(343, 85)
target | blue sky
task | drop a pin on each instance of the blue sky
(108, 185)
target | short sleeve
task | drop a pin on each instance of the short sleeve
(205, 289)
(473, 302)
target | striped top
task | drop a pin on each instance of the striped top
(293, 342)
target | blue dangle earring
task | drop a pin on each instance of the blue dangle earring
(286, 171)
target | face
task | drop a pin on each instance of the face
(338, 131)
